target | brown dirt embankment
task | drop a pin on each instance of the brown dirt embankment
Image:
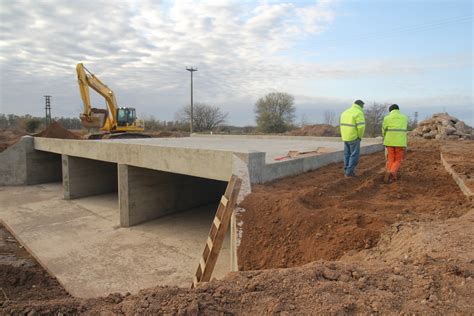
(460, 156)
(8, 137)
(322, 215)
(417, 268)
(55, 130)
(21, 277)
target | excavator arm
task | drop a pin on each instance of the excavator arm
(94, 117)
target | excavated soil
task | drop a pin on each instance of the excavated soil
(55, 130)
(21, 277)
(9, 137)
(460, 156)
(418, 268)
(322, 215)
(316, 130)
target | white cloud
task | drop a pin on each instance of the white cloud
(140, 49)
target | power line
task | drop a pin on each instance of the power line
(396, 31)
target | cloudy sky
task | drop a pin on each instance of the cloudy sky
(326, 53)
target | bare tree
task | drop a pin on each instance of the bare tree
(275, 112)
(329, 117)
(205, 116)
(374, 118)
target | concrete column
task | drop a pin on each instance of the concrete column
(146, 194)
(84, 177)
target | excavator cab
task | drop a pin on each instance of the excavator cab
(126, 116)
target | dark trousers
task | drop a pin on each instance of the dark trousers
(351, 156)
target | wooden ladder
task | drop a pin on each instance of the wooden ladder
(217, 233)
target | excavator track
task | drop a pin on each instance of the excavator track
(124, 135)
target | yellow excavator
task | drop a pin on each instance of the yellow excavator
(114, 122)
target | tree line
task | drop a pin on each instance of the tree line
(274, 113)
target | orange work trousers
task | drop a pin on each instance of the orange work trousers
(394, 159)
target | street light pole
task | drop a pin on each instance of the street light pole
(191, 70)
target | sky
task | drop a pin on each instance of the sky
(326, 53)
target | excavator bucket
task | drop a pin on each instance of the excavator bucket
(95, 120)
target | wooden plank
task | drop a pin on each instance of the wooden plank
(217, 232)
(202, 263)
(217, 222)
(234, 188)
(209, 242)
(224, 201)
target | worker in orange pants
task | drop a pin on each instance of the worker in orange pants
(394, 160)
(394, 131)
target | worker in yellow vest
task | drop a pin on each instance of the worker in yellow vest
(352, 125)
(394, 131)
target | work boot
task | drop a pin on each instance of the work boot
(351, 175)
(387, 177)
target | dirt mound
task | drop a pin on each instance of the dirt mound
(415, 242)
(316, 130)
(9, 137)
(443, 126)
(55, 130)
(433, 287)
(322, 215)
(21, 277)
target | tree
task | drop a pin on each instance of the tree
(329, 117)
(374, 118)
(275, 112)
(205, 116)
(413, 122)
(304, 120)
(32, 124)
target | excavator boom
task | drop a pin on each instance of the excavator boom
(112, 120)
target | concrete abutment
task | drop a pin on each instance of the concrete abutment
(21, 164)
(146, 194)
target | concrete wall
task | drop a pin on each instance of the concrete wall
(146, 194)
(21, 164)
(262, 173)
(85, 177)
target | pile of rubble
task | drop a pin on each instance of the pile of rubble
(443, 126)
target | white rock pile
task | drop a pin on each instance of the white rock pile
(443, 126)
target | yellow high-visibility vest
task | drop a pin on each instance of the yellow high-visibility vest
(394, 129)
(352, 123)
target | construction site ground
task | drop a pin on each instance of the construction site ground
(320, 243)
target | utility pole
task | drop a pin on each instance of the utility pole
(47, 107)
(191, 70)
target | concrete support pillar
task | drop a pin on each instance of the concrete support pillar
(85, 177)
(146, 194)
